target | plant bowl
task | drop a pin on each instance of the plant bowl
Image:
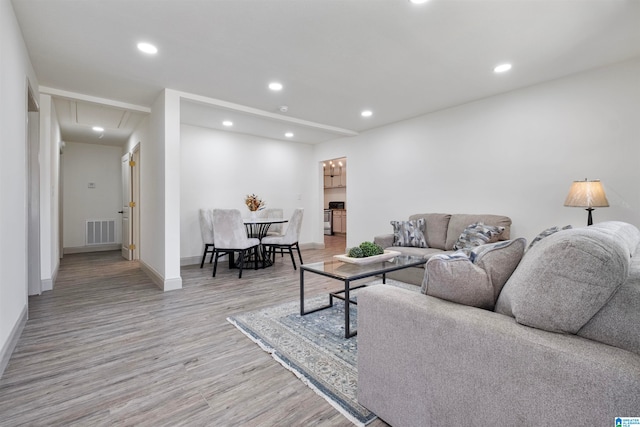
(387, 255)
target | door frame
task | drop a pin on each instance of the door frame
(32, 148)
(135, 188)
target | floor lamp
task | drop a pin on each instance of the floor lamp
(587, 194)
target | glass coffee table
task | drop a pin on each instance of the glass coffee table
(348, 273)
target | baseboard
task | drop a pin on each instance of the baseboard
(312, 245)
(92, 248)
(46, 285)
(192, 260)
(10, 345)
(158, 280)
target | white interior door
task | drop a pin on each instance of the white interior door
(127, 204)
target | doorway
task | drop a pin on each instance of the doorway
(334, 181)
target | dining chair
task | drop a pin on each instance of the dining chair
(230, 237)
(273, 213)
(286, 241)
(206, 230)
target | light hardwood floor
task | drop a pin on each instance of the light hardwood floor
(106, 347)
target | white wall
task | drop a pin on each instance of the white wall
(220, 168)
(49, 192)
(160, 193)
(85, 163)
(515, 154)
(15, 69)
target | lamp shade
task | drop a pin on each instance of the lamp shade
(586, 194)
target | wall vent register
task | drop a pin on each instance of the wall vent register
(101, 231)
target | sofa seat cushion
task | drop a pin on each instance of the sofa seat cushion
(566, 278)
(423, 252)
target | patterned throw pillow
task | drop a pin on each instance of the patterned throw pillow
(548, 232)
(409, 233)
(477, 234)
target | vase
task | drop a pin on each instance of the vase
(253, 215)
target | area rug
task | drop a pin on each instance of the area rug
(313, 347)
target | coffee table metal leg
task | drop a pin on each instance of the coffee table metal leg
(302, 312)
(347, 332)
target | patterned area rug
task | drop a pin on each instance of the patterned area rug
(313, 347)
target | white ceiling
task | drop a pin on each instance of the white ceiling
(334, 57)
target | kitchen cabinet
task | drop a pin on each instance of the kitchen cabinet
(339, 221)
(337, 180)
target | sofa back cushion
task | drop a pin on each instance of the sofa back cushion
(616, 324)
(459, 222)
(435, 228)
(566, 278)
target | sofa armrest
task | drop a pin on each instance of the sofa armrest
(425, 361)
(384, 240)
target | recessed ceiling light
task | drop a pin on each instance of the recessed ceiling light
(275, 86)
(147, 48)
(366, 113)
(502, 68)
(289, 134)
(227, 123)
(418, 1)
(98, 129)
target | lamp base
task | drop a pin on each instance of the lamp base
(589, 217)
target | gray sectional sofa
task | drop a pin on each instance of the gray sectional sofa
(441, 233)
(560, 346)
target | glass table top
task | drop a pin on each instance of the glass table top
(346, 271)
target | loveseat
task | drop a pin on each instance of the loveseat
(561, 345)
(441, 233)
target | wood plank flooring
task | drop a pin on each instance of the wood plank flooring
(107, 348)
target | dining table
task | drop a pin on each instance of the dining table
(258, 228)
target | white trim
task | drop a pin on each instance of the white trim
(265, 114)
(92, 248)
(48, 284)
(12, 341)
(88, 98)
(158, 280)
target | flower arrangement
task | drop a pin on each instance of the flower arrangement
(253, 202)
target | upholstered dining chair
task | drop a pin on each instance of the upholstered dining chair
(288, 240)
(206, 230)
(230, 237)
(273, 213)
